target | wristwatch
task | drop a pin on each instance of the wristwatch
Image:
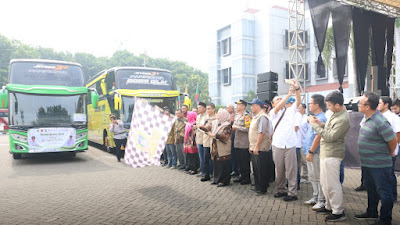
(297, 89)
(312, 153)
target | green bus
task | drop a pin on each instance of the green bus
(46, 101)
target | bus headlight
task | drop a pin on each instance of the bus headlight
(80, 135)
(20, 137)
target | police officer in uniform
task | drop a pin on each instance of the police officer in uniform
(241, 127)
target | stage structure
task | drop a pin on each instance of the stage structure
(297, 61)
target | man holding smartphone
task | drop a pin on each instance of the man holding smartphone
(284, 143)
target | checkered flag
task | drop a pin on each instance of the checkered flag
(147, 135)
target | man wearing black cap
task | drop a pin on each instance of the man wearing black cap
(260, 144)
(241, 127)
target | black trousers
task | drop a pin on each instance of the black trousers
(222, 171)
(193, 161)
(208, 163)
(272, 166)
(262, 170)
(118, 143)
(243, 162)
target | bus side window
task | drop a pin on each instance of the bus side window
(98, 88)
(110, 81)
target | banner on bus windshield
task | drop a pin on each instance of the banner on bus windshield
(51, 139)
(37, 73)
(129, 79)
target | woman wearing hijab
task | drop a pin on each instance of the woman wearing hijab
(221, 131)
(189, 146)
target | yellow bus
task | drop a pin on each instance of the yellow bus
(117, 87)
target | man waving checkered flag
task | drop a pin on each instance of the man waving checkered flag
(147, 135)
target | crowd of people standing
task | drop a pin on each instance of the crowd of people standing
(278, 141)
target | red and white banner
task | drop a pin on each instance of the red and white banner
(147, 135)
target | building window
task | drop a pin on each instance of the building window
(226, 76)
(294, 40)
(323, 75)
(307, 70)
(226, 47)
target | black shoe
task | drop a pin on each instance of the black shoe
(119, 160)
(336, 217)
(360, 188)
(206, 178)
(289, 198)
(259, 193)
(237, 180)
(323, 210)
(213, 183)
(245, 182)
(280, 194)
(365, 216)
(181, 168)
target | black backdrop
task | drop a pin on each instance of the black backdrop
(352, 157)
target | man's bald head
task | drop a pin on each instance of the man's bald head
(230, 108)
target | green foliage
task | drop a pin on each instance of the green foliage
(250, 96)
(183, 73)
(217, 107)
(329, 47)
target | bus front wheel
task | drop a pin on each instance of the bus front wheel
(17, 155)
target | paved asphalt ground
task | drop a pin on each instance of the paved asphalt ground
(93, 188)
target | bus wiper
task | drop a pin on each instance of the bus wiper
(20, 127)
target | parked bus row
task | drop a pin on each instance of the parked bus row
(51, 108)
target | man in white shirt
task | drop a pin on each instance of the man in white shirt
(284, 143)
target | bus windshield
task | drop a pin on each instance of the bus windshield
(38, 73)
(39, 110)
(129, 102)
(142, 79)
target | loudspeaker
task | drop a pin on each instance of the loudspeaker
(267, 86)
(269, 76)
(377, 80)
(266, 95)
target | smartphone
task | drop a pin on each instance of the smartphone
(289, 81)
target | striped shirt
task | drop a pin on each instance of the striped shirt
(373, 146)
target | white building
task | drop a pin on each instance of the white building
(257, 43)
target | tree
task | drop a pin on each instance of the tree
(91, 65)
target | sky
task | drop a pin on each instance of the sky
(174, 29)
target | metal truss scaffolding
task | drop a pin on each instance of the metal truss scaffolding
(297, 43)
(386, 7)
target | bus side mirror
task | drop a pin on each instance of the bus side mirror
(117, 101)
(3, 98)
(94, 97)
(103, 86)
